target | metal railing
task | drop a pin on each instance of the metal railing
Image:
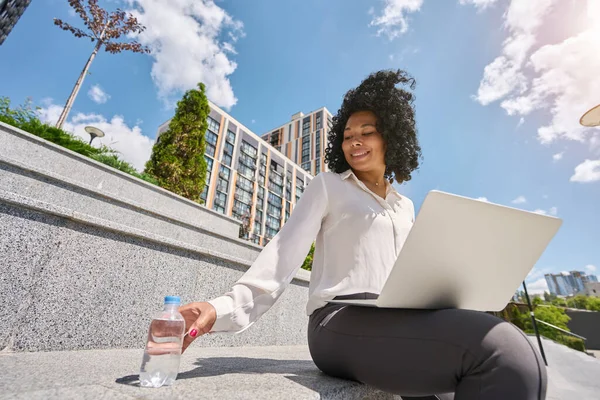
(561, 330)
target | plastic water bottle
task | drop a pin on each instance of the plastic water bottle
(162, 354)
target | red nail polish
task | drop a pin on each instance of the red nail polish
(193, 333)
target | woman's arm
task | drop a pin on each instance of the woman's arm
(274, 268)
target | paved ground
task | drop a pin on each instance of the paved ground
(233, 373)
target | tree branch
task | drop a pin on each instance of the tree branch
(75, 31)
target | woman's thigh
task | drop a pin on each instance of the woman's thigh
(420, 352)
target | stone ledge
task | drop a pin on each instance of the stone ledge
(271, 372)
(38, 154)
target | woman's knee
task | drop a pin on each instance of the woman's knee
(509, 353)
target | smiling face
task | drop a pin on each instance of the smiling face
(363, 145)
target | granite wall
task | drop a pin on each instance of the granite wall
(89, 252)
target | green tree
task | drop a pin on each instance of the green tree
(177, 161)
(549, 297)
(307, 265)
(594, 304)
(559, 302)
(580, 302)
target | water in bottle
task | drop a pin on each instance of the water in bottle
(160, 364)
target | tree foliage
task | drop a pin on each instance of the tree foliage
(307, 264)
(104, 27)
(177, 161)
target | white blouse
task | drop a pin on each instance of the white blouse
(358, 238)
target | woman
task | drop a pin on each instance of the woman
(360, 223)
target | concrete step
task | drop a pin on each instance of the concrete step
(277, 372)
(265, 372)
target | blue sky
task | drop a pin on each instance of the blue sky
(501, 85)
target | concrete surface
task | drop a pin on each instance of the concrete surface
(88, 253)
(208, 373)
(268, 372)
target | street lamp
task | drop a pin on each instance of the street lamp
(94, 132)
(591, 118)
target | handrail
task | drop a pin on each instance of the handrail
(560, 329)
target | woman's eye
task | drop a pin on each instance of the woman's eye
(367, 133)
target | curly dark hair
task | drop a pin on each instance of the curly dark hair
(395, 114)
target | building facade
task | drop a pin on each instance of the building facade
(248, 179)
(10, 12)
(303, 139)
(568, 284)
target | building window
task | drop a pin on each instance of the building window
(220, 202)
(246, 171)
(306, 166)
(305, 148)
(319, 123)
(204, 193)
(231, 136)
(317, 166)
(305, 126)
(318, 144)
(227, 159)
(258, 217)
(249, 149)
(257, 228)
(210, 150)
(290, 133)
(213, 125)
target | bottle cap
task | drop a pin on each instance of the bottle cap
(172, 300)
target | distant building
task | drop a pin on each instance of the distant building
(248, 179)
(303, 139)
(10, 12)
(568, 284)
(592, 289)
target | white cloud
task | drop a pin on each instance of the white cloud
(133, 145)
(550, 211)
(504, 75)
(556, 77)
(587, 171)
(479, 4)
(253, 121)
(538, 287)
(558, 156)
(483, 199)
(186, 39)
(591, 268)
(393, 22)
(98, 95)
(521, 122)
(519, 200)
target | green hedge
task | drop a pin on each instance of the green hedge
(25, 118)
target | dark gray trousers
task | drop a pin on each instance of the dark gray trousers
(460, 354)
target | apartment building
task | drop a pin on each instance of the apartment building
(248, 179)
(303, 139)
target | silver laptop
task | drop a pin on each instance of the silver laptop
(464, 253)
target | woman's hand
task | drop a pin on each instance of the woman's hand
(199, 319)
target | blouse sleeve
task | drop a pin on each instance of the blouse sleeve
(276, 265)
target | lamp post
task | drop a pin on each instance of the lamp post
(94, 132)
